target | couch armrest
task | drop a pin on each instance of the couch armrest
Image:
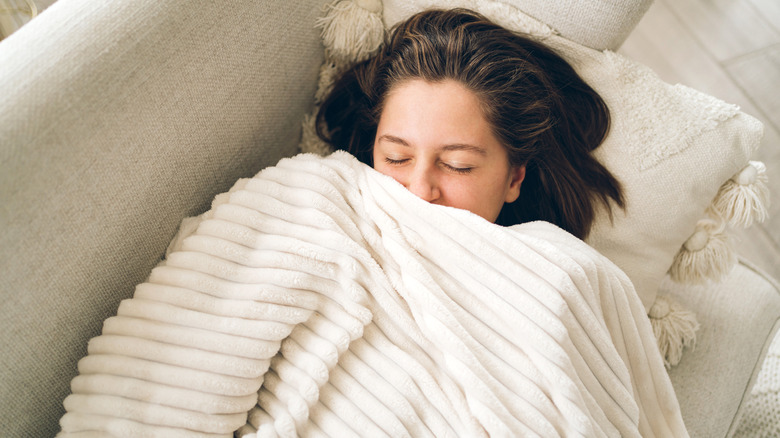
(739, 318)
(598, 24)
(118, 119)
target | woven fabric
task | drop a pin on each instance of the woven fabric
(598, 24)
(762, 411)
(118, 119)
(714, 378)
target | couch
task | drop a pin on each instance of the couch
(118, 119)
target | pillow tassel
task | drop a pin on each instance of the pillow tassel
(745, 197)
(674, 329)
(310, 141)
(329, 73)
(353, 30)
(706, 255)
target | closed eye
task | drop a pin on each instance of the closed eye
(389, 160)
(457, 169)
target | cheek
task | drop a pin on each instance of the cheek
(386, 169)
(378, 162)
(383, 168)
(461, 193)
(484, 198)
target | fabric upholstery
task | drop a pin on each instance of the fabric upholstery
(598, 24)
(738, 320)
(760, 415)
(117, 120)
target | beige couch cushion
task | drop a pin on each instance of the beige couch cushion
(117, 120)
(738, 318)
(598, 24)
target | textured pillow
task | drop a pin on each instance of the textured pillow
(681, 156)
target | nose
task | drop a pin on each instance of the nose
(423, 183)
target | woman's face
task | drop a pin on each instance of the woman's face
(434, 139)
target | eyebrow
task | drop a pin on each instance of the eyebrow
(449, 147)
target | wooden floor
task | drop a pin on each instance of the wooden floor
(729, 49)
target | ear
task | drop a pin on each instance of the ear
(516, 177)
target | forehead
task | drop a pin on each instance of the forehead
(433, 93)
(419, 111)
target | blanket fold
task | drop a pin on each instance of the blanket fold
(321, 298)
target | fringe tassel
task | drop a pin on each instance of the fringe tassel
(674, 328)
(745, 197)
(353, 30)
(310, 141)
(706, 255)
(329, 72)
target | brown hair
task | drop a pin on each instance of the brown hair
(544, 114)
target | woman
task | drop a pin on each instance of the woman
(464, 112)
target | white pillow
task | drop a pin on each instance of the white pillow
(672, 148)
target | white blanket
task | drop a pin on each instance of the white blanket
(365, 311)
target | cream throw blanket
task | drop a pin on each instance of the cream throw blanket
(365, 311)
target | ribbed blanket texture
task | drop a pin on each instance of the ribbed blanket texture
(321, 298)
